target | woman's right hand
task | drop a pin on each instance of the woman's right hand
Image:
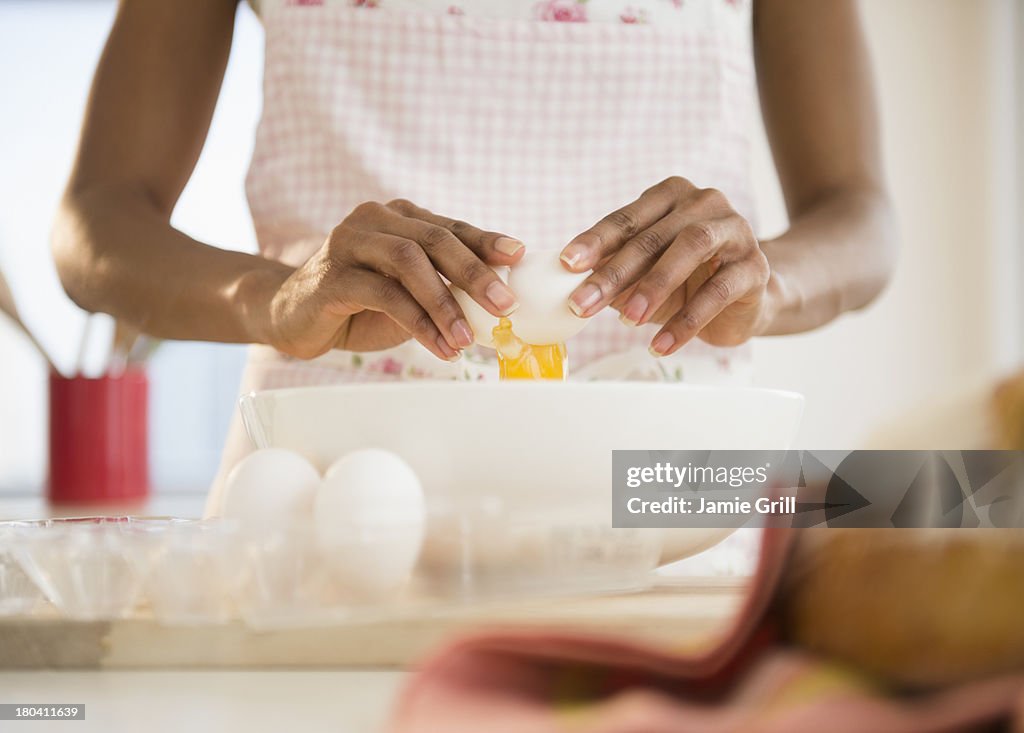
(376, 282)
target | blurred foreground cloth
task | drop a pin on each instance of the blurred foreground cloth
(753, 678)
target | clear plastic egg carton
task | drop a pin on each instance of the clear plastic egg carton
(102, 568)
(19, 594)
(196, 572)
(88, 569)
(474, 554)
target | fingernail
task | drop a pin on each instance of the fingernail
(662, 343)
(507, 245)
(462, 333)
(449, 353)
(585, 298)
(502, 296)
(572, 254)
(635, 309)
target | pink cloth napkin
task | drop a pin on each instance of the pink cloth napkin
(531, 681)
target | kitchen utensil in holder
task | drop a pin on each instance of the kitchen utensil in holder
(98, 438)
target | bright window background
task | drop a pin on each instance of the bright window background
(48, 50)
(950, 90)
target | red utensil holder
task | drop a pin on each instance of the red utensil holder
(99, 439)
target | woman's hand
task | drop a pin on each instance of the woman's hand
(680, 256)
(376, 282)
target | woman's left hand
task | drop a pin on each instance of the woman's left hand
(679, 256)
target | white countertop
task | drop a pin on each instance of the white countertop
(34, 506)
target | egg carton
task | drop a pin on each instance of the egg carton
(199, 572)
(177, 571)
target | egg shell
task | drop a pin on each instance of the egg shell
(271, 486)
(480, 320)
(543, 285)
(369, 520)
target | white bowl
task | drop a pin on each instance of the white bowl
(539, 447)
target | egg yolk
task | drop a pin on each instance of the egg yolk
(519, 360)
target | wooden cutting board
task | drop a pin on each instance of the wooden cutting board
(682, 613)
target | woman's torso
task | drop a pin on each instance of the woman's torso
(530, 118)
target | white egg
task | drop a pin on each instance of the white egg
(480, 320)
(369, 519)
(542, 286)
(271, 486)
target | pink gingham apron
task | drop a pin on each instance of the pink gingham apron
(498, 114)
